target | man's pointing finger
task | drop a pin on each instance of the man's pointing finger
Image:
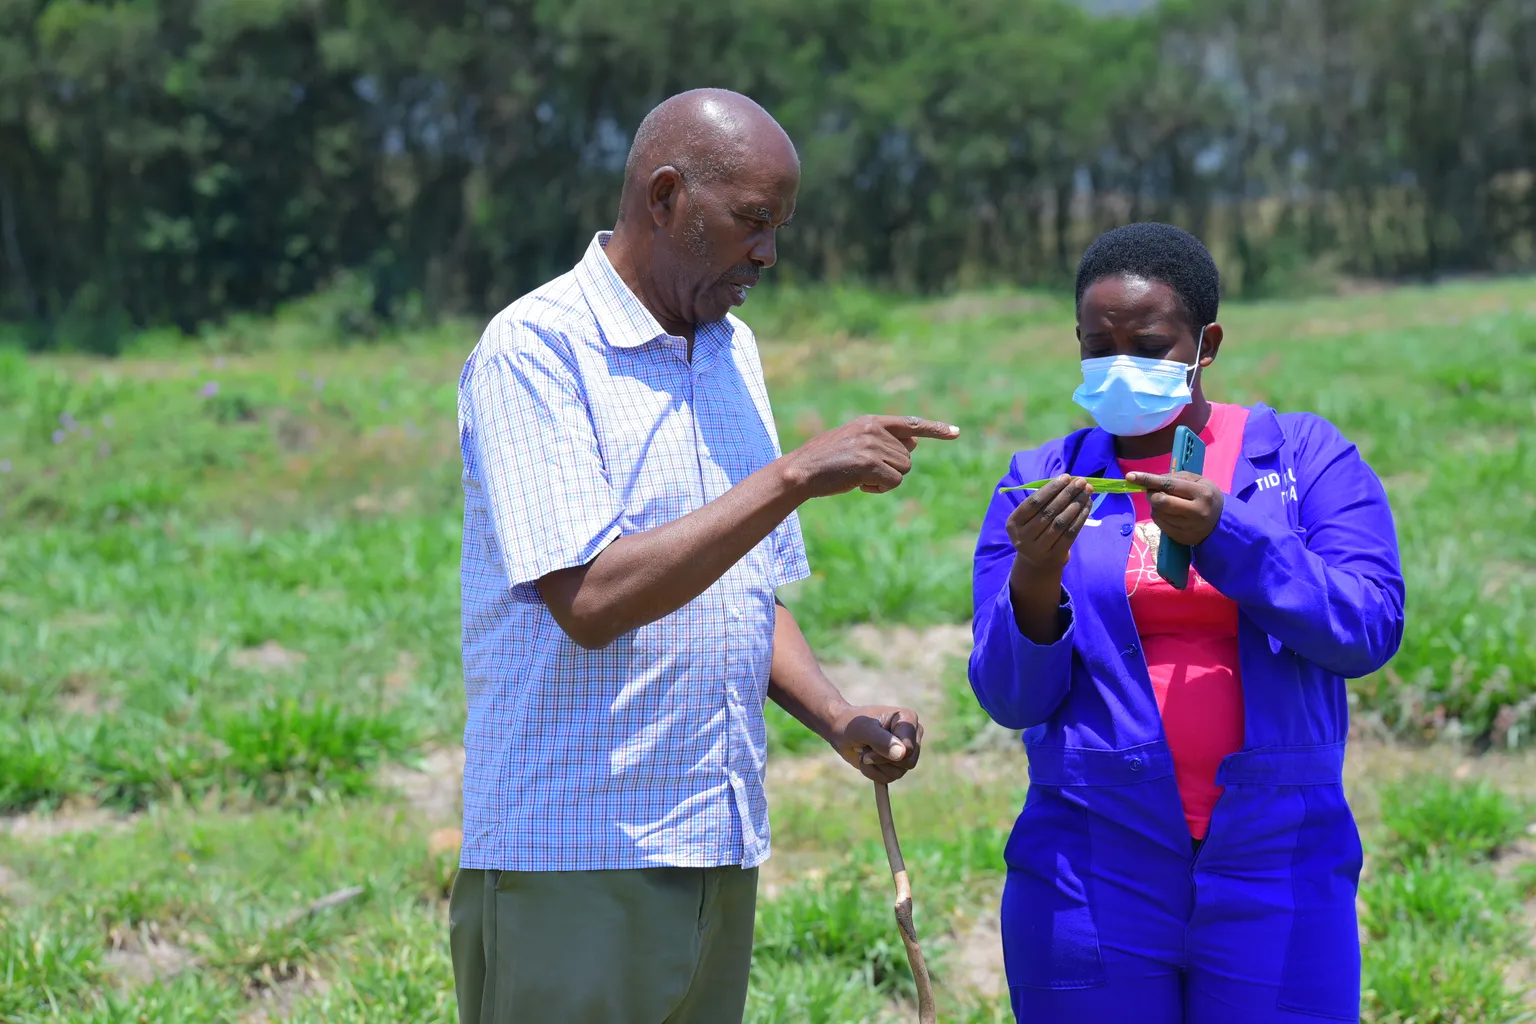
(916, 426)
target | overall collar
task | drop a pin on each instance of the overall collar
(1262, 436)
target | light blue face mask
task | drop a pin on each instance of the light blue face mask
(1133, 395)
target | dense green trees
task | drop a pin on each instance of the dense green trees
(169, 161)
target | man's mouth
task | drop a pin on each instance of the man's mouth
(739, 291)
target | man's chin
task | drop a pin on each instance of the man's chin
(712, 311)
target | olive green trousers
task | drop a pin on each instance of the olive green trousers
(648, 946)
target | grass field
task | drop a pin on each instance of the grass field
(229, 679)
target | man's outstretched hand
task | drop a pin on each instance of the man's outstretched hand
(872, 454)
(881, 742)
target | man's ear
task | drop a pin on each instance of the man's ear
(665, 185)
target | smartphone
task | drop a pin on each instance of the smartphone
(1172, 557)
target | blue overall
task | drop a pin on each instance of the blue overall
(1109, 913)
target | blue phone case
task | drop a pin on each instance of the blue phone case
(1172, 557)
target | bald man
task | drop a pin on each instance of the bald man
(628, 519)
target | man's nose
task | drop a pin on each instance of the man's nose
(765, 252)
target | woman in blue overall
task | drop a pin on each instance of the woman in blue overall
(1185, 854)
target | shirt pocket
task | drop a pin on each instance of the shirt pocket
(1050, 939)
(649, 453)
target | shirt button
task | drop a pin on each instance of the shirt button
(1135, 764)
(1125, 529)
(736, 613)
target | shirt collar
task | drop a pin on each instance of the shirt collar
(1262, 434)
(624, 320)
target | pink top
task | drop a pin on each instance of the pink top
(1190, 636)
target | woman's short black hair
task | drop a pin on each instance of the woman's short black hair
(1157, 252)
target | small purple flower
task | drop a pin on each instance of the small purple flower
(66, 421)
(59, 436)
(210, 389)
(319, 383)
(5, 465)
(85, 432)
(103, 450)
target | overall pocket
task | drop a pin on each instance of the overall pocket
(1322, 960)
(1049, 937)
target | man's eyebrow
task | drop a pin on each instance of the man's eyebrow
(762, 212)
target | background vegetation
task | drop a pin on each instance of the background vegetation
(229, 678)
(229, 640)
(173, 162)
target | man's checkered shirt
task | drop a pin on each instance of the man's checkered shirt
(581, 420)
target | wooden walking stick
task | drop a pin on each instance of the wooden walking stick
(925, 1010)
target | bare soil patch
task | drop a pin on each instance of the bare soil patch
(976, 962)
(903, 665)
(139, 957)
(275, 1003)
(434, 789)
(65, 821)
(13, 888)
(269, 657)
(972, 307)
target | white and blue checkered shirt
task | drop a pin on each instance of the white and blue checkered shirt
(581, 420)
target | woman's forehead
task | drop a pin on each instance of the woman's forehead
(1127, 298)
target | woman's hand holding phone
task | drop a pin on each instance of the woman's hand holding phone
(1185, 506)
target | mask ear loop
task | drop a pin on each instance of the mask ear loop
(1195, 367)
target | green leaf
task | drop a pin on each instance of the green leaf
(1103, 485)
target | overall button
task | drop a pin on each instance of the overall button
(1130, 651)
(1125, 529)
(1135, 764)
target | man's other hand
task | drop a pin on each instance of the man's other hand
(881, 742)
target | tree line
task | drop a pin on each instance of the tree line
(169, 162)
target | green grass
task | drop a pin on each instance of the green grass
(229, 596)
(277, 751)
(1437, 388)
(1438, 818)
(311, 499)
(963, 718)
(1440, 921)
(44, 964)
(839, 925)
